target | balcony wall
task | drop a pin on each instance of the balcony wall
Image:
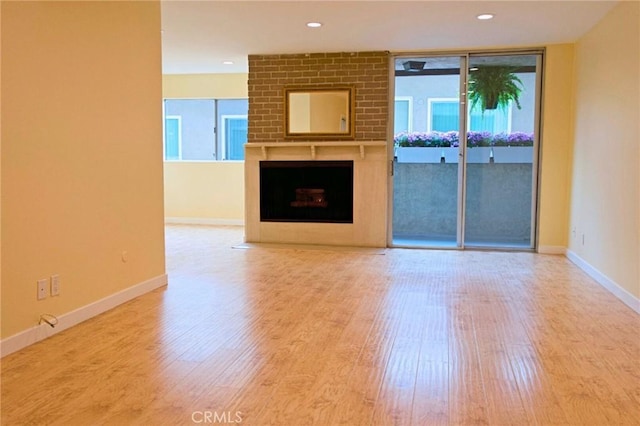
(498, 201)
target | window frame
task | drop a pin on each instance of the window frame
(409, 100)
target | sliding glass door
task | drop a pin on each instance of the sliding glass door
(501, 151)
(427, 167)
(465, 154)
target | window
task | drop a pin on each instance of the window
(403, 114)
(492, 120)
(234, 135)
(172, 138)
(232, 122)
(205, 129)
(443, 116)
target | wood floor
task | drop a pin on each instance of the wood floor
(286, 336)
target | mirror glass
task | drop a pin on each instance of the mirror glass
(319, 113)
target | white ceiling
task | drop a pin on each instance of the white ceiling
(199, 35)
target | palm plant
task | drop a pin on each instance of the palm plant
(493, 87)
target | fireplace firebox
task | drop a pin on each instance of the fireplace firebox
(306, 191)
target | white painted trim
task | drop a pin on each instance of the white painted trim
(40, 332)
(552, 250)
(202, 221)
(627, 298)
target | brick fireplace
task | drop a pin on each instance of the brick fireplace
(368, 74)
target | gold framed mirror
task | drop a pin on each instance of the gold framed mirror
(313, 113)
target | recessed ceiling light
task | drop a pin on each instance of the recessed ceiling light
(485, 16)
(227, 62)
(314, 24)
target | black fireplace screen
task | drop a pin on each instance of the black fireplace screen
(306, 191)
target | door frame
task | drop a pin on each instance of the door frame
(537, 126)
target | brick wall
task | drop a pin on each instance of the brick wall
(366, 71)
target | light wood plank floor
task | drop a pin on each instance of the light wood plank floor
(275, 336)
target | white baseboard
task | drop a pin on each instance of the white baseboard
(552, 250)
(202, 221)
(35, 334)
(629, 299)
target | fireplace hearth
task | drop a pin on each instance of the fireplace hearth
(306, 191)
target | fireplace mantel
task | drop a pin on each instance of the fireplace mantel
(370, 174)
(265, 147)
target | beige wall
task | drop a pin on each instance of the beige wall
(221, 86)
(605, 203)
(557, 142)
(205, 190)
(211, 190)
(81, 163)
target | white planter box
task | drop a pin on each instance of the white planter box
(451, 155)
(501, 154)
(513, 154)
(478, 154)
(418, 155)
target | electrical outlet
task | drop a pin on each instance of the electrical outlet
(43, 289)
(55, 285)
